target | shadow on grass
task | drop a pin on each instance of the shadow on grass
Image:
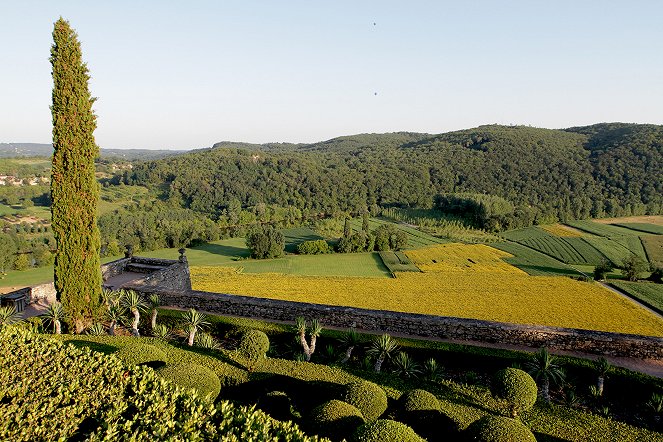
(224, 250)
(95, 346)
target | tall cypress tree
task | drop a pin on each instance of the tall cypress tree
(74, 189)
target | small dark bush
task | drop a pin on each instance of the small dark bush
(499, 429)
(277, 404)
(421, 410)
(368, 397)
(385, 430)
(195, 376)
(515, 387)
(253, 345)
(419, 400)
(142, 354)
(336, 419)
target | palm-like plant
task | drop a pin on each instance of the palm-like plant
(193, 321)
(349, 340)
(115, 315)
(602, 367)
(382, 348)
(155, 302)
(96, 329)
(314, 331)
(543, 367)
(431, 369)
(55, 315)
(405, 367)
(110, 297)
(206, 341)
(134, 303)
(161, 332)
(8, 315)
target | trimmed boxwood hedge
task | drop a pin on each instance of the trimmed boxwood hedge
(368, 397)
(421, 410)
(383, 430)
(517, 388)
(277, 404)
(195, 376)
(253, 345)
(83, 395)
(419, 400)
(142, 354)
(499, 429)
(336, 419)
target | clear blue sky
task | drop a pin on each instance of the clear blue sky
(175, 74)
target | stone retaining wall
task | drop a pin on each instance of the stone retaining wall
(113, 268)
(43, 293)
(174, 278)
(428, 326)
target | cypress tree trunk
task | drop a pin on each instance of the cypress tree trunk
(74, 189)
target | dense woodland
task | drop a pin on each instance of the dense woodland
(544, 175)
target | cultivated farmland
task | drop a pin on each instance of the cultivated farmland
(643, 227)
(415, 237)
(562, 230)
(649, 293)
(654, 246)
(600, 229)
(567, 250)
(492, 290)
(534, 262)
(398, 262)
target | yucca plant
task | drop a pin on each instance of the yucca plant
(656, 403)
(155, 302)
(135, 304)
(543, 367)
(161, 332)
(54, 315)
(405, 367)
(431, 369)
(192, 322)
(314, 331)
(95, 329)
(382, 348)
(350, 340)
(111, 297)
(204, 340)
(116, 315)
(8, 316)
(570, 398)
(602, 367)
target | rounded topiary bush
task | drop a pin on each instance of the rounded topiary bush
(277, 404)
(336, 419)
(419, 400)
(142, 354)
(195, 376)
(517, 388)
(385, 430)
(368, 397)
(499, 429)
(253, 345)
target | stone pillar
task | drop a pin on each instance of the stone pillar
(129, 252)
(182, 257)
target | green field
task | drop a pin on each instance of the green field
(613, 250)
(295, 236)
(567, 250)
(649, 293)
(654, 246)
(632, 243)
(398, 262)
(642, 227)
(416, 238)
(526, 233)
(12, 212)
(533, 262)
(600, 229)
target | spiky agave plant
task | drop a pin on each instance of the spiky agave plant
(155, 302)
(54, 315)
(95, 329)
(206, 341)
(602, 367)
(382, 348)
(431, 369)
(110, 297)
(543, 368)
(192, 322)
(405, 367)
(161, 332)
(133, 302)
(8, 316)
(115, 316)
(349, 340)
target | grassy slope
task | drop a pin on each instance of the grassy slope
(649, 293)
(533, 262)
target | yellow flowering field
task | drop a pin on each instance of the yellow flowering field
(562, 230)
(495, 293)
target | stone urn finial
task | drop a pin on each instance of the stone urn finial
(129, 252)
(182, 257)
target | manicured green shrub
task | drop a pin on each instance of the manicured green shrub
(85, 395)
(316, 247)
(195, 376)
(517, 388)
(368, 397)
(253, 345)
(277, 404)
(385, 430)
(419, 400)
(142, 354)
(499, 429)
(336, 419)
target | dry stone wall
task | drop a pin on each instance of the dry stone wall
(429, 326)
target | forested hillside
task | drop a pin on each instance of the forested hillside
(601, 170)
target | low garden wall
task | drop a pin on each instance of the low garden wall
(428, 326)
